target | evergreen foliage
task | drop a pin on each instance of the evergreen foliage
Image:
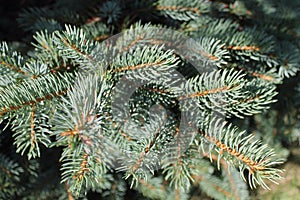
(180, 102)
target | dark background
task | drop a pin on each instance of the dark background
(9, 12)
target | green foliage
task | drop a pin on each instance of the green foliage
(180, 102)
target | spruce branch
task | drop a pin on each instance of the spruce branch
(240, 149)
(183, 10)
(148, 106)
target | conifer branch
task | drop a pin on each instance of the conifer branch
(253, 165)
(144, 153)
(177, 194)
(33, 102)
(249, 99)
(83, 168)
(75, 48)
(70, 132)
(97, 101)
(32, 132)
(146, 184)
(262, 76)
(170, 44)
(207, 92)
(140, 66)
(134, 42)
(102, 37)
(243, 48)
(257, 74)
(226, 168)
(199, 178)
(5, 170)
(13, 67)
(122, 132)
(70, 195)
(178, 8)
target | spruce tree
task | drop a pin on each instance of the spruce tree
(159, 99)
